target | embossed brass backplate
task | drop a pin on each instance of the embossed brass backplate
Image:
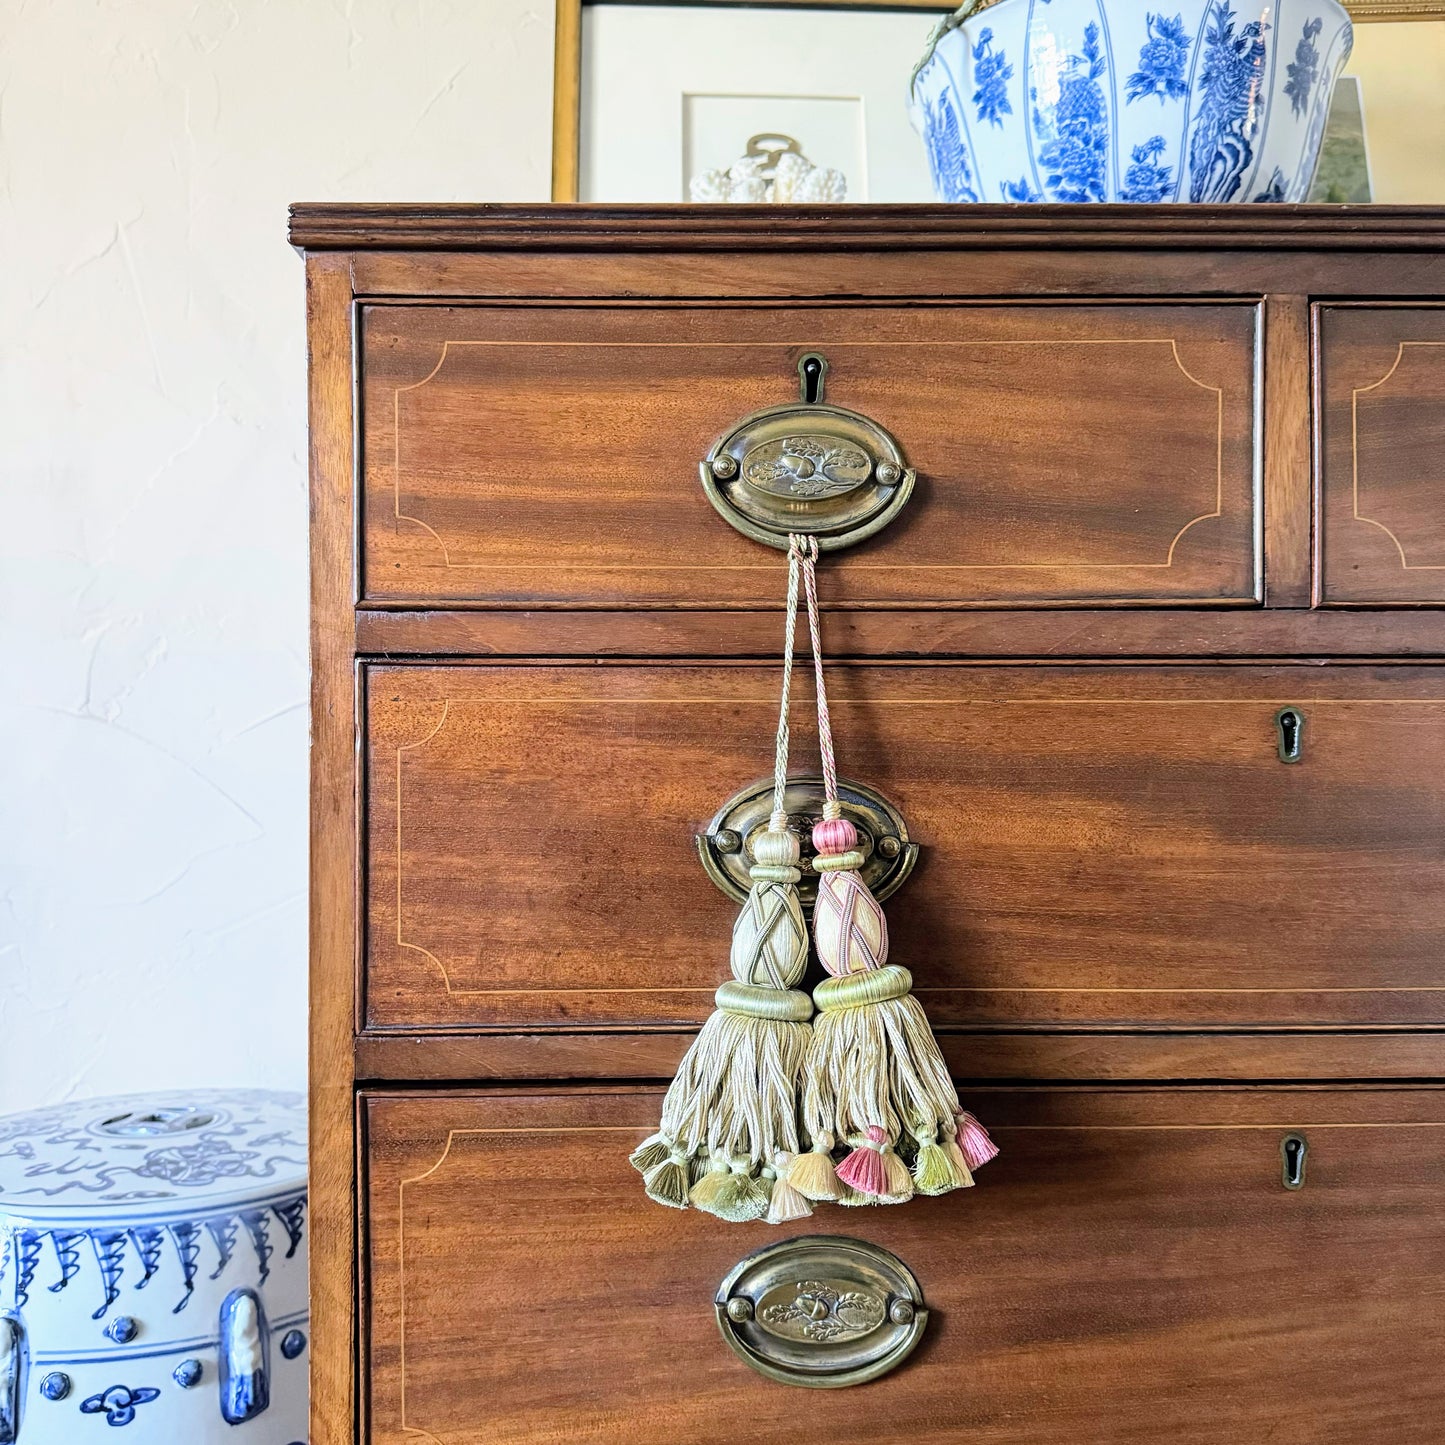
(807, 467)
(821, 1311)
(725, 847)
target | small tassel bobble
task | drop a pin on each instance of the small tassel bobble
(874, 1080)
(732, 1108)
(785, 1203)
(973, 1141)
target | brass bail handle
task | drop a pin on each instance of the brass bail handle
(807, 467)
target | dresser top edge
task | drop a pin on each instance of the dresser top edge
(332, 226)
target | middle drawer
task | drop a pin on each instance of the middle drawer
(1100, 845)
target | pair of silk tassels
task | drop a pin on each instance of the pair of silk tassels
(774, 1108)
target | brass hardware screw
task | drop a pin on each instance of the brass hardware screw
(740, 1310)
(901, 1312)
(725, 840)
(889, 473)
(724, 466)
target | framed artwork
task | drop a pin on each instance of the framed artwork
(664, 102)
(672, 94)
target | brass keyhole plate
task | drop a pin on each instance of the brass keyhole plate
(725, 845)
(811, 468)
(821, 1311)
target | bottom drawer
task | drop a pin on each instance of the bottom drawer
(1130, 1269)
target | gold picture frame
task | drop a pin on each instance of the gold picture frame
(567, 65)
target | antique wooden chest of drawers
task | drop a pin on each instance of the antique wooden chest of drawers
(1151, 666)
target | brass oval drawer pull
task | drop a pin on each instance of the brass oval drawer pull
(821, 1311)
(807, 467)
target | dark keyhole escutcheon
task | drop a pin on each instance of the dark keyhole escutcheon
(1292, 1151)
(1289, 723)
(812, 377)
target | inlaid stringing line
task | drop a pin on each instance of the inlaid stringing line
(1355, 458)
(453, 992)
(999, 1129)
(1168, 341)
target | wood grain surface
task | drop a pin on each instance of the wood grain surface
(1041, 634)
(1110, 845)
(1065, 1055)
(546, 456)
(335, 920)
(461, 227)
(1179, 466)
(1129, 1270)
(1382, 456)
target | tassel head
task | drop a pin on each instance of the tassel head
(770, 938)
(899, 1182)
(939, 1168)
(849, 929)
(667, 1182)
(873, 1073)
(834, 835)
(649, 1154)
(733, 1104)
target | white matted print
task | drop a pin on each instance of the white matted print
(669, 90)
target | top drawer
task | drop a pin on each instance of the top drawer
(547, 455)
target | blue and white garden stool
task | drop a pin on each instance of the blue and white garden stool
(153, 1271)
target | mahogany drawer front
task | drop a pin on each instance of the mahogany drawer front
(1382, 423)
(1129, 1269)
(547, 455)
(1101, 845)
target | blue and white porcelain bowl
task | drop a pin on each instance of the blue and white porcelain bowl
(153, 1271)
(1130, 100)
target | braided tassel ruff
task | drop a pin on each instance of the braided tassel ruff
(874, 1082)
(730, 1116)
(731, 1110)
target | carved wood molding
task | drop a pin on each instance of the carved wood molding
(316, 227)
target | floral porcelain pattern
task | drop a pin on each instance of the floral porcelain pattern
(1162, 59)
(947, 154)
(1110, 100)
(1071, 124)
(124, 1226)
(128, 1152)
(991, 74)
(118, 1404)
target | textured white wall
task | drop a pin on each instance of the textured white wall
(152, 489)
